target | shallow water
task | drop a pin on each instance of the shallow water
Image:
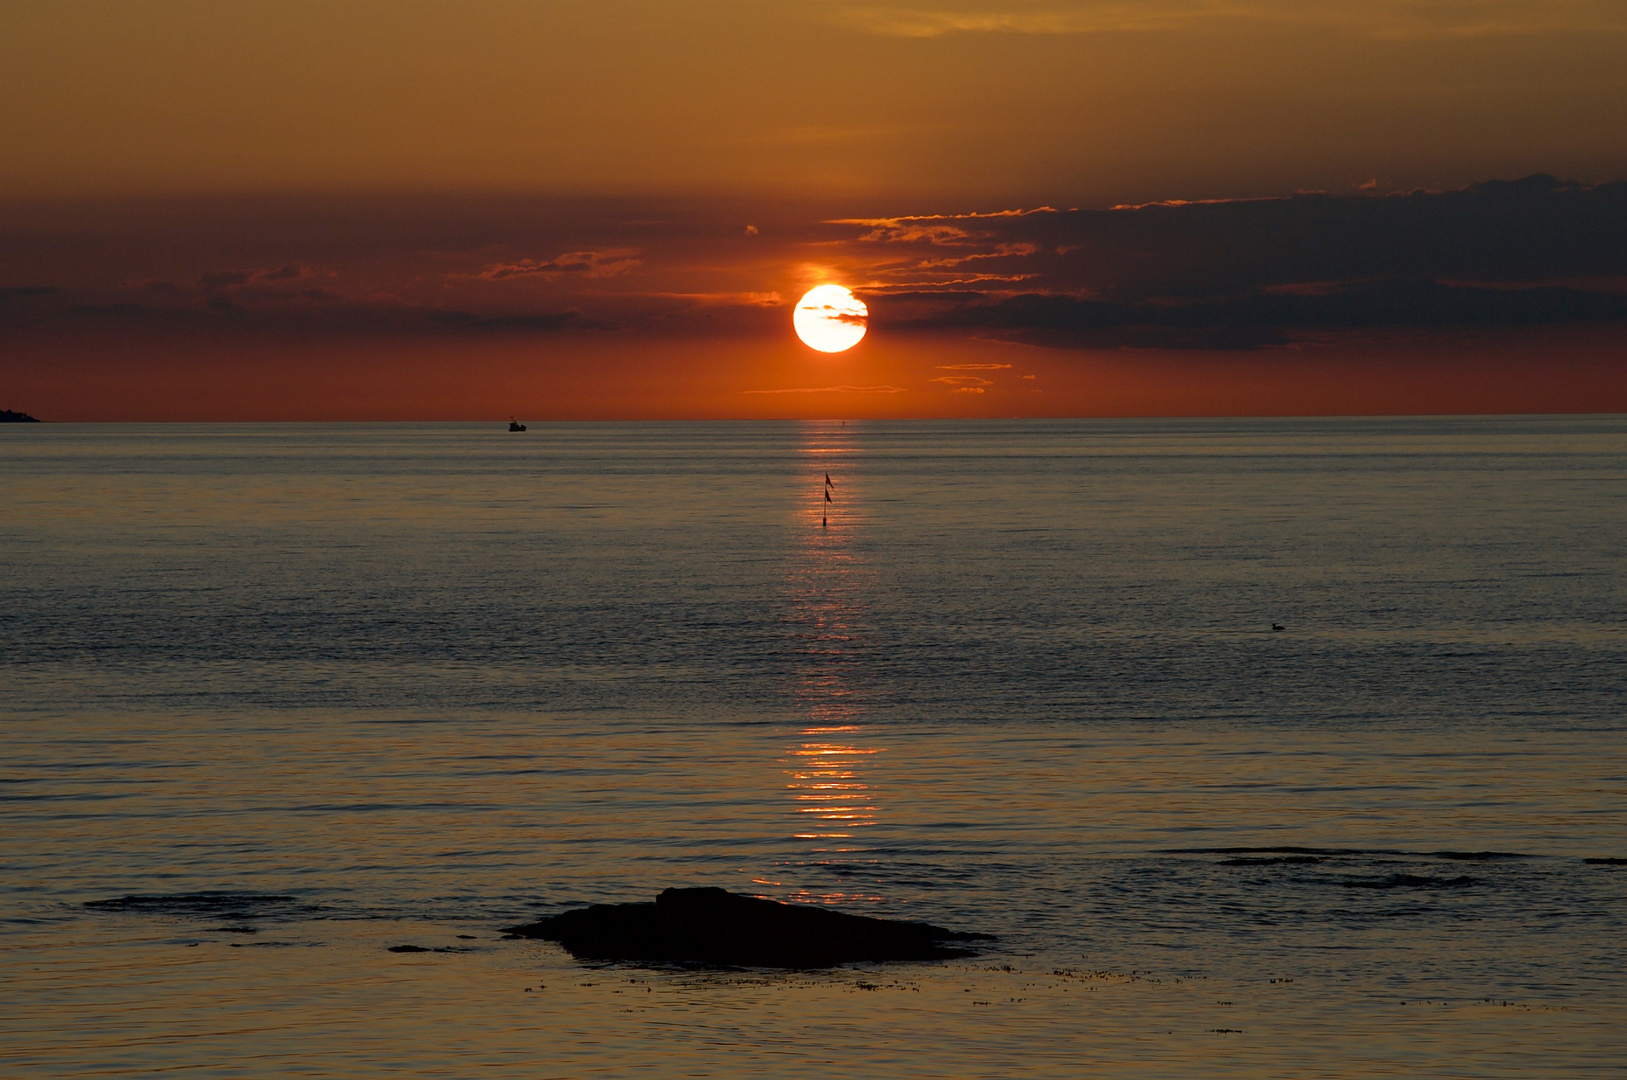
(308, 692)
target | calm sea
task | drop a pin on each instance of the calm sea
(279, 698)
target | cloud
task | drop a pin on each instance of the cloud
(939, 19)
(593, 264)
(1397, 19)
(157, 288)
(718, 299)
(546, 320)
(249, 309)
(905, 230)
(946, 282)
(110, 311)
(963, 382)
(1249, 273)
(222, 279)
(834, 390)
(1258, 318)
(1001, 251)
(1258, 272)
(1535, 228)
(217, 280)
(27, 292)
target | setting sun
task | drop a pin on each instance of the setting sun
(830, 318)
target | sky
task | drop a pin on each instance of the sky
(554, 210)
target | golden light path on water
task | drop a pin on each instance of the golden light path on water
(830, 785)
(831, 795)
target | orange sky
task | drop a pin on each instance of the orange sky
(941, 102)
(428, 210)
(115, 378)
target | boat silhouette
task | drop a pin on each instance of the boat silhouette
(515, 425)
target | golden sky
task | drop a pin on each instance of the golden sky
(1021, 102)
(516, 198)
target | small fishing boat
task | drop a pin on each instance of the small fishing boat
(515, 425)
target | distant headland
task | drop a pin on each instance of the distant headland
(9, 417)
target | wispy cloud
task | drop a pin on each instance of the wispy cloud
(834, 390)
(937, 20)
(216, 280)
(1001, 251)
(1369, 18)
(714, 299)
(906, 230)
(594, 264)
(929, 282)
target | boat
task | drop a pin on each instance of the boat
(515, 425)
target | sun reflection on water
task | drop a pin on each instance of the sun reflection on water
(832, 798)
(827, 786)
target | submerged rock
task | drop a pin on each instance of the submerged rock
(713, 926)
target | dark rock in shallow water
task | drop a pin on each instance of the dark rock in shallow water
(713, 926)
(422, 948)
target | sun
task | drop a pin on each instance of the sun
(830, 318)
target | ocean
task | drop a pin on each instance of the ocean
(278, 699)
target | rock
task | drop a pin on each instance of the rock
(720, 928)
(421, 948)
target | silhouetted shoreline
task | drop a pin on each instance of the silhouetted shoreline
(9, 417)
